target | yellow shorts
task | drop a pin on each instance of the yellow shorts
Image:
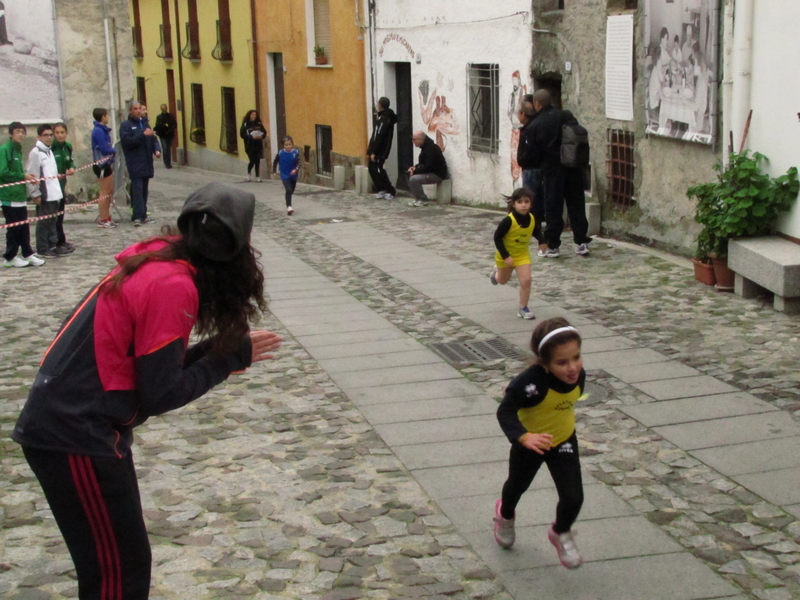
(519, 259)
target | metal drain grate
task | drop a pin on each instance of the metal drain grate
(479, 351)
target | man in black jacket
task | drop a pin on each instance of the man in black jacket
(165, 128)
(560, 183)
(378, 151)
(431, 168)
(531, 176)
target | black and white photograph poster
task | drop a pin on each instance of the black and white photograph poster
(30, 89)
(681, 69)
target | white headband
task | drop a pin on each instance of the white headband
(555, 332)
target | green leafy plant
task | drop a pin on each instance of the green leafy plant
(743, 202)
(319, 51)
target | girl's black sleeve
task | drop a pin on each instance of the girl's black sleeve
(502, 229)
(507, 416)
(275, 162)
(170, 378)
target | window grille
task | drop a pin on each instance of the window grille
(229, 136)
(198, 132)
(484, 102)
(324, 148)
(192, 48)
(620, 166)
(141, 92)
(165, 49)
(223, 51)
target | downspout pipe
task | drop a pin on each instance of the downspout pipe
(181, 99)
(113, 104)
(742, 67)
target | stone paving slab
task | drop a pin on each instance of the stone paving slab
(379, 360)
(409, 392)
(730, 430)
(684, 387)
(450, 273)
(606, 343)
(365, 322)
(780, 486)
(650, 372)
(532, 549)
(314, 303)
(402, 344)
(367, 378)
(671, 412)
(437, 408)
(675, 576)
(292, 316)
(315, 341)
(537, 507)
(615, 358)
(443, 454)
(753, 457)
(437, 430)
(464, 480)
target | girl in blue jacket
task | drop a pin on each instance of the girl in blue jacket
(288, 160)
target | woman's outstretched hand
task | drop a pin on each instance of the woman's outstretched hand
(264, 342)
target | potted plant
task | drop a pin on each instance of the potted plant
(703, 269)
(743, 202)
(319, 55)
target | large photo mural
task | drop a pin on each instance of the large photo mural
(681, 69)
(30, 90)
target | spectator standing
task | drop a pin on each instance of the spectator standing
(380, 144)
(14, 200)
(431, 168)
(103, 150)
(46, 193)
(139, 145)
(62, 150)
(253, 134)
(531, 177)
(560, 183)
(165, 129)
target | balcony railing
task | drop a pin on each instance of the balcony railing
(192, 48)
(136, 32)
(165, 49)
(223, 50)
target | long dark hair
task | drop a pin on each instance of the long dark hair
(246, 119)
(231, 292)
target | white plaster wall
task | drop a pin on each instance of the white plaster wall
(446, 36)
(775, 93)
(33, 21)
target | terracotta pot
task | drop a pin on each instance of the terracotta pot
(321, 59)
(725, 276)
(704, 272)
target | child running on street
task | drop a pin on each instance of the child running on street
(512, 238)
(538, 417)
(287, 162)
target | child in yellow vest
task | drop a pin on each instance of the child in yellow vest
(512, 238)
(538, 417)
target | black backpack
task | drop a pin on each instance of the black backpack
(574, 144)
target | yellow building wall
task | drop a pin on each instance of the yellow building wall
(332, 95)
(212, 74)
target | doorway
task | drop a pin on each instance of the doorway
(552, 83)
(405, 122)
(277, 100)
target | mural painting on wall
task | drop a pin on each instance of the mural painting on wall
(680, 67)
(436, 114)
(518, 91)
(30, 90)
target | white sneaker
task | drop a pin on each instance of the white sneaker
(16, 262)
(582, 249)
(258, 179)
(34, 261)
(249, 178)
(525, 313)
(504, 533)
(565, 546)
(551, 253)
(493, 275)
(388, 197)
(380, 195)
(289, 210)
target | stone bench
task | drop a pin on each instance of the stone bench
(442, 192)
(771, 263)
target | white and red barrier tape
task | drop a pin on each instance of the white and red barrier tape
(60, 175)
(55, 214)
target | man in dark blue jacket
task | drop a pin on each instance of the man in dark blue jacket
(139, 145)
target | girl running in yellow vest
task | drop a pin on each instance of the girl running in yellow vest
(512, 238)
(538, 417)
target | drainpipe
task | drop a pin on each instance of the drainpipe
(742, 66)
(62, 96)
(110, 66)
(254, 35)
(371, 64)
(178, 22)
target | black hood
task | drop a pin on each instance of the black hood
(216, 220)
(389, 115)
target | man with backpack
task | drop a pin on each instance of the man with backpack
(563, 180)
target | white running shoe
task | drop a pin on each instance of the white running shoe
(289, 210)
(551, 253)
(525, 313)
(565, 546)
(504, 533)
(493, 275)
(16, 262)
(388, 196)
(380, 195)
(34, 261)
(582, 249)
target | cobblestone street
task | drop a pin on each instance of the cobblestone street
(341, 471)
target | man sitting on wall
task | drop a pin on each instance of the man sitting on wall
(431, 168)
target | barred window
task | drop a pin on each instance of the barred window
(620, 166)
(324, 148)
(229, 136)
(484, 102)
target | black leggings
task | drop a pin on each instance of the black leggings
(255, 161)
(95, 501)
(565, 468)
(289, 185)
